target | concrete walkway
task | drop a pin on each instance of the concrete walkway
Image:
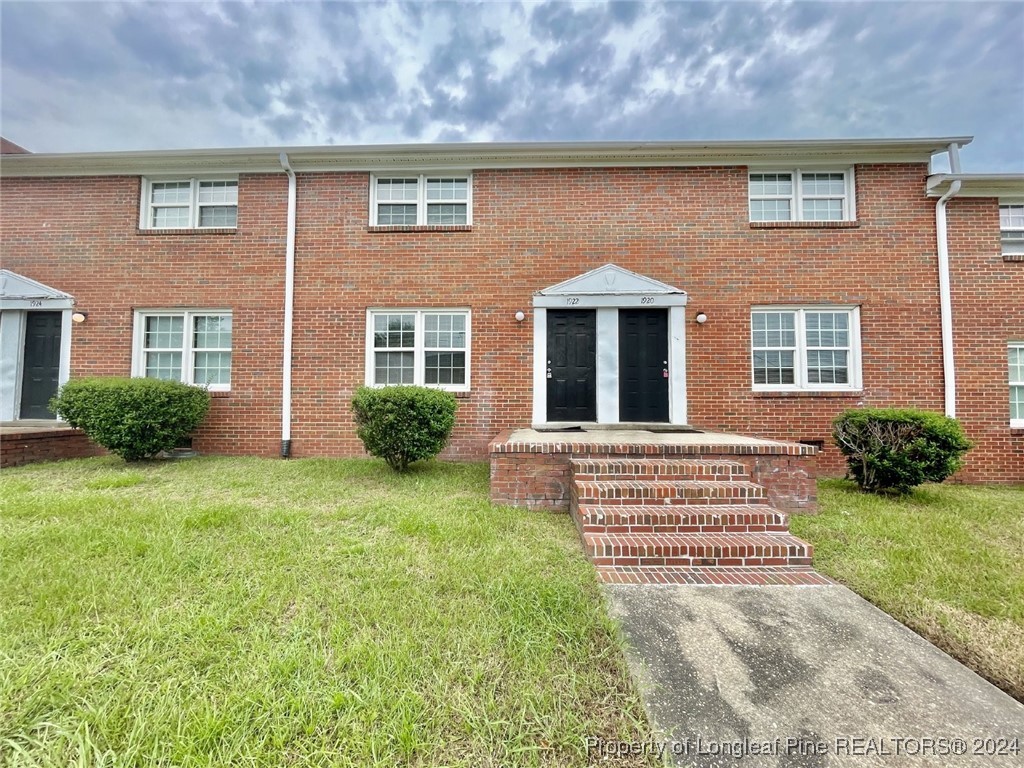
(803, 676)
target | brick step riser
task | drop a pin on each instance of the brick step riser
(670, 477)
(641, 498)
(679, 519)
(697, 551)
(602, 527)
(627, 561)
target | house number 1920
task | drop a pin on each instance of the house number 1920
(646, 299)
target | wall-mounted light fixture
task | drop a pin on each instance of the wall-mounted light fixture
(520, 316)
(79, 317)
(701, 318)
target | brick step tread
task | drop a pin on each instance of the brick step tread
(589, 491)
(654, 469)
(695, 549)
(680, 518)
(722, 576)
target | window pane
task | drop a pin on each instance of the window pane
(827, 367)
(770, 210)
(445, 331)
(222, 192)
(393, 367)
(771, 184)
(169, 218)
(823, 210)
(163, 365)
(445, 368)
(394, 331)
(827, 329)
(773, 367)
(1017, 365)
(164, 332)
(212, 368)
(1011, 216)
(447, 214)
(447, 189)
(171, 192)
(397, 189)
(212, 332)
(218, 216)
(391, 215)
(824, 184)
(1017, 402)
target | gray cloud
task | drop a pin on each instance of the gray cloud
(114, 76)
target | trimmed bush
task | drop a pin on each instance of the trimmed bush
(893, 449)
(134, 418)
(404, 424)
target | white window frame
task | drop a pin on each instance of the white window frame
(797, 197)
(419, 349)
(421, 196)
(1013, 247)
(188, 331)
(800, 383)
(1014, 423)
(146, 207)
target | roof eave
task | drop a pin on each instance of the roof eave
(480, 156)
(978, 184)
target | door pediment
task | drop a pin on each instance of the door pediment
(20, 292)
(610, 286)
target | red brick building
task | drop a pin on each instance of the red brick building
(749, 287)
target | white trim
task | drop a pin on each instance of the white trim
(187, 351)
(20, 292)
(64, 366)
(797, 196)
(421, 202)
(606, 290)
(854, 368)
(1014, 423)
(194, 207)
(1014, 244)
(418, 349)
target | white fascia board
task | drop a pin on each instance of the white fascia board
(451, 157)
(977, 184)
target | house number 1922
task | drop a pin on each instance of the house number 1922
(572, 300)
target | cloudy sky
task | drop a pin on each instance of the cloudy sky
(89, 76)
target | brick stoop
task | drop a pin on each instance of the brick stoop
(683, 521)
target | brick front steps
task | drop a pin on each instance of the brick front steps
(683, 521)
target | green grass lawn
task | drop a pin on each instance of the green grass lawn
(223, 611)
(946, 560)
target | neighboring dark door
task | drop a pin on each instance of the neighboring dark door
(643, 365)
(572, 365)
(41, 364)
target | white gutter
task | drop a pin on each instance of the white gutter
(289, 305)
(945, 299)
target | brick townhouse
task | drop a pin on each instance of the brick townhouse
(755, 287)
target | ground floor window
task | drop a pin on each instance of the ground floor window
(425, 347)
(192, 346)
(805, 348)
(1017, 384)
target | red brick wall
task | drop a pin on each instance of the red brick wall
(988, 312)
(532, 228)
(17, 448)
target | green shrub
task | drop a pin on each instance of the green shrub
(403, 424)
(892, 449)
(134, 418)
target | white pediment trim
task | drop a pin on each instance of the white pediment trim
(20, 292)
(610, 286)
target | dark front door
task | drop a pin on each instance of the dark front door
(572, 365)
(643, 365)
(41, 364)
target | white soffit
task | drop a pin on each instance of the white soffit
(20, 292)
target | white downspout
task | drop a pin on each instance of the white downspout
(945, 298)
(289, 304)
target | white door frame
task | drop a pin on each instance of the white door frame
(606, 290)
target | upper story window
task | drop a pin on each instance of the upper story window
(805, 348)
(192, 346)
(802, 195)
(421, 200)
(1017, 385)
(1011, 226)
(425, 347)
(189, 204)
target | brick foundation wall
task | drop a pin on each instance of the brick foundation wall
(50, 445)
(531, 228)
